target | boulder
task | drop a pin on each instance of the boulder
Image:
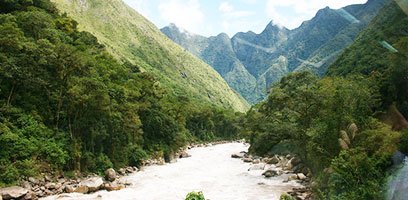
(93, 184)
(62, 180)
(292, 177)
(47, 178)
(247, 160)
(184, 155)
(69, 189)
(82, 189)
(30, 195)
(274, 160)
(271, 172)
(122, 171)
(113, 187)
(110, 174)
(161, 161)
(236, 156)
(289, 165)
(50, 186)
(256, 161)
(282, 163)
(27, 185)
(301, 176)
(13, 192)
(33, 180)
(257, 167)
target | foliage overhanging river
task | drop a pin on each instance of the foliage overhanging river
(210, 169)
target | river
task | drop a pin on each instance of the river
(209, 169)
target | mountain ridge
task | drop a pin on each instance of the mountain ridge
(132, 38)
(276, 51)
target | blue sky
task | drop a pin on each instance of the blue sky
(211, 17)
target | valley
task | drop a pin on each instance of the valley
(89, 88)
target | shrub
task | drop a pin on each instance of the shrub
(8, 172)
(355, 176)
(135, 155)
(195, 196)
(102, 163)
(286, 197)
(27, 167)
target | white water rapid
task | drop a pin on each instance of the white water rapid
(210, 169)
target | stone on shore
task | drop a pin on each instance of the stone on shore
(271, 172)
(292, 177)
(236, 156)
(69, 189)
(82, 189)
(113, 187)
(260, 166)
(110, 174)
(93, 184)
(13, 192)
(301, 176)
(247, 160)
(273, 160)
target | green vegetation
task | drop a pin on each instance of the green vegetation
(131, 38)
(312, 115)
(195, 196)
(67, 105)
(340, 125)
(286, 197)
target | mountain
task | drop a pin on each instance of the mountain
(368, 53)
(218, 52)
(133, 39)
(262, 59)
(381, 52)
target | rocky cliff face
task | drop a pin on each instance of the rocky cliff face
(251, 62)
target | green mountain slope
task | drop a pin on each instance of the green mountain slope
(216, 51)
(132, 38)
(262, 59)
(367, 54)
(320, 59)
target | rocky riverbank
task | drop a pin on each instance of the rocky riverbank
(48, 185)
(278, 165)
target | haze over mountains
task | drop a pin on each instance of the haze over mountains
(251, 62)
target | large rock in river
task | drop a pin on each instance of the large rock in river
(260, 166)
(93, 184)
(110, 174)
(13, 192)
(271, 172)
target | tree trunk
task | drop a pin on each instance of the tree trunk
(58, 109)
(10, 95)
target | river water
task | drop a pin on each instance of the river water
(209, 169)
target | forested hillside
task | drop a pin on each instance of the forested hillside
(130, 37)
(381, 51)
(67, 105)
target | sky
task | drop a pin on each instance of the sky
(211, 17)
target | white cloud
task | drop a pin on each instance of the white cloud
(184, 13)
(301, 10)
(229, 13)
(249, 1)
(225, 7)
